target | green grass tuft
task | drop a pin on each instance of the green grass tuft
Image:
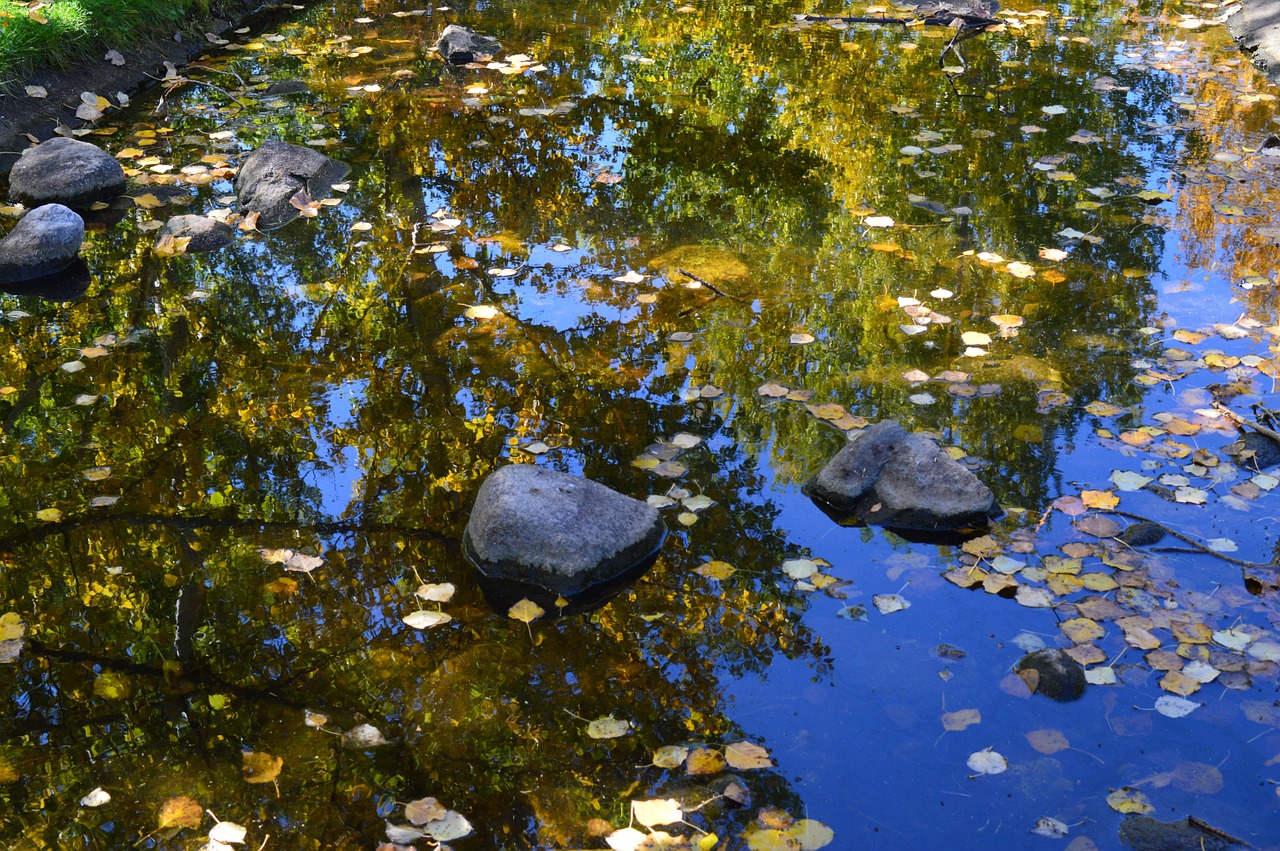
(84, 29)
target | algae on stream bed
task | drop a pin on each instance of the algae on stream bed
(227, 475)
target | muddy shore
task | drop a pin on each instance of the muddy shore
(25, 120)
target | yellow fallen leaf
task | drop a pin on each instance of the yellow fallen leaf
(526, 611)
(1126, 799)
(745, 756)
(258, 767)
(1099, 499)
(180, 811)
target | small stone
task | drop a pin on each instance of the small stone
(1056, 674)
(206, 234)
(459, 45)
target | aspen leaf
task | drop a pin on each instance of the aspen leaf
(657, 811)
(260, 767)
(670, 756)
(228, 832)
(608, 727)
(1047, 741)
(1099, 499)
(986, 761)
(745, 756)
(426, 619)
(811, 834)
(363, 737)
(424, 810)
(1128, 800)
(704, 761)
(96, 798)
(626, 839)
(180, 811)
(526, 611)
(960, 719)
(436, 593)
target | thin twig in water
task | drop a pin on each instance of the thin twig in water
(711, 286)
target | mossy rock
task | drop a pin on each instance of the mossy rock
(709, 262)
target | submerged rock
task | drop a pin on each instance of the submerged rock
(1147, 834)
(287, 87)
(64, 285)
(43, 242)
(559, 532)
(65, 171)
(206, 234)
(1054, 674)
(890, 477)
(459, 45)
(273, 174)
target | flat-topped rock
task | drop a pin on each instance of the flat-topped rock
(65, 171)
(890, 477)
(557, 531)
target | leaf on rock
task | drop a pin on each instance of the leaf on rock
(608, 727)
(180, 811)
(260, 767)
(745, 756)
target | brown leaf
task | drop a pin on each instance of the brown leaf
(260, 767)
(180, 811)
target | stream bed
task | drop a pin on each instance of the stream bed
(687, 251)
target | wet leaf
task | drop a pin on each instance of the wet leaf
(1050, 827)
(363, 737)
(426, 619)
(670, 756)
(96, 798)
(704, 761)
(260, 767)
(436, 593)
(745, 756)
(987, 761)
(890, 603)
(811, 834)
(1099, 499)
(718, 570)
(1047, 741)
(424, 810)
(452, 825)
(1175, 707)
(227, 832)
(608, 727)
(1128, 800)
(526, 611)
(180, 811)
(960, 719)
(657, 811)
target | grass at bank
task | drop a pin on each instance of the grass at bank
(75, 30)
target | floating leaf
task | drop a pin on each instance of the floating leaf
(986, 761)
(889, 603)
(424, 810)
(96, 798)
(704, 761)
(1047, 741)
(811, 834)
(670, 756)
(526, 611)
(608, 727)
(657, 811)
(363, 737)
(960, 719)
(452, 825)
(1127, 800)
(481, 311)
(425, 619)
(745, 756)
(1175, 707)
(437, 593)
(1050, 827)
(228, 833)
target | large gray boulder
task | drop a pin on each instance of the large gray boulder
(65, 171)
(206, 234)
(1256, 26)
(44, 241)
(273, 174)
(559, 532)
(890, 477)
(459, 45)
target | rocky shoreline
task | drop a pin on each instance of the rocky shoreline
(25, 120)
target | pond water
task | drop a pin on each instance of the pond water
(226, 475)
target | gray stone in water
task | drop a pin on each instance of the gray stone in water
(65, 171)
(560, 532)
(206, 234)
(459, 45)
(893, 478)
(287, 87)
(1058, 676)
(273, 174)
(43, 242)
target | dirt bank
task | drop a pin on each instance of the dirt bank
(24, 119)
